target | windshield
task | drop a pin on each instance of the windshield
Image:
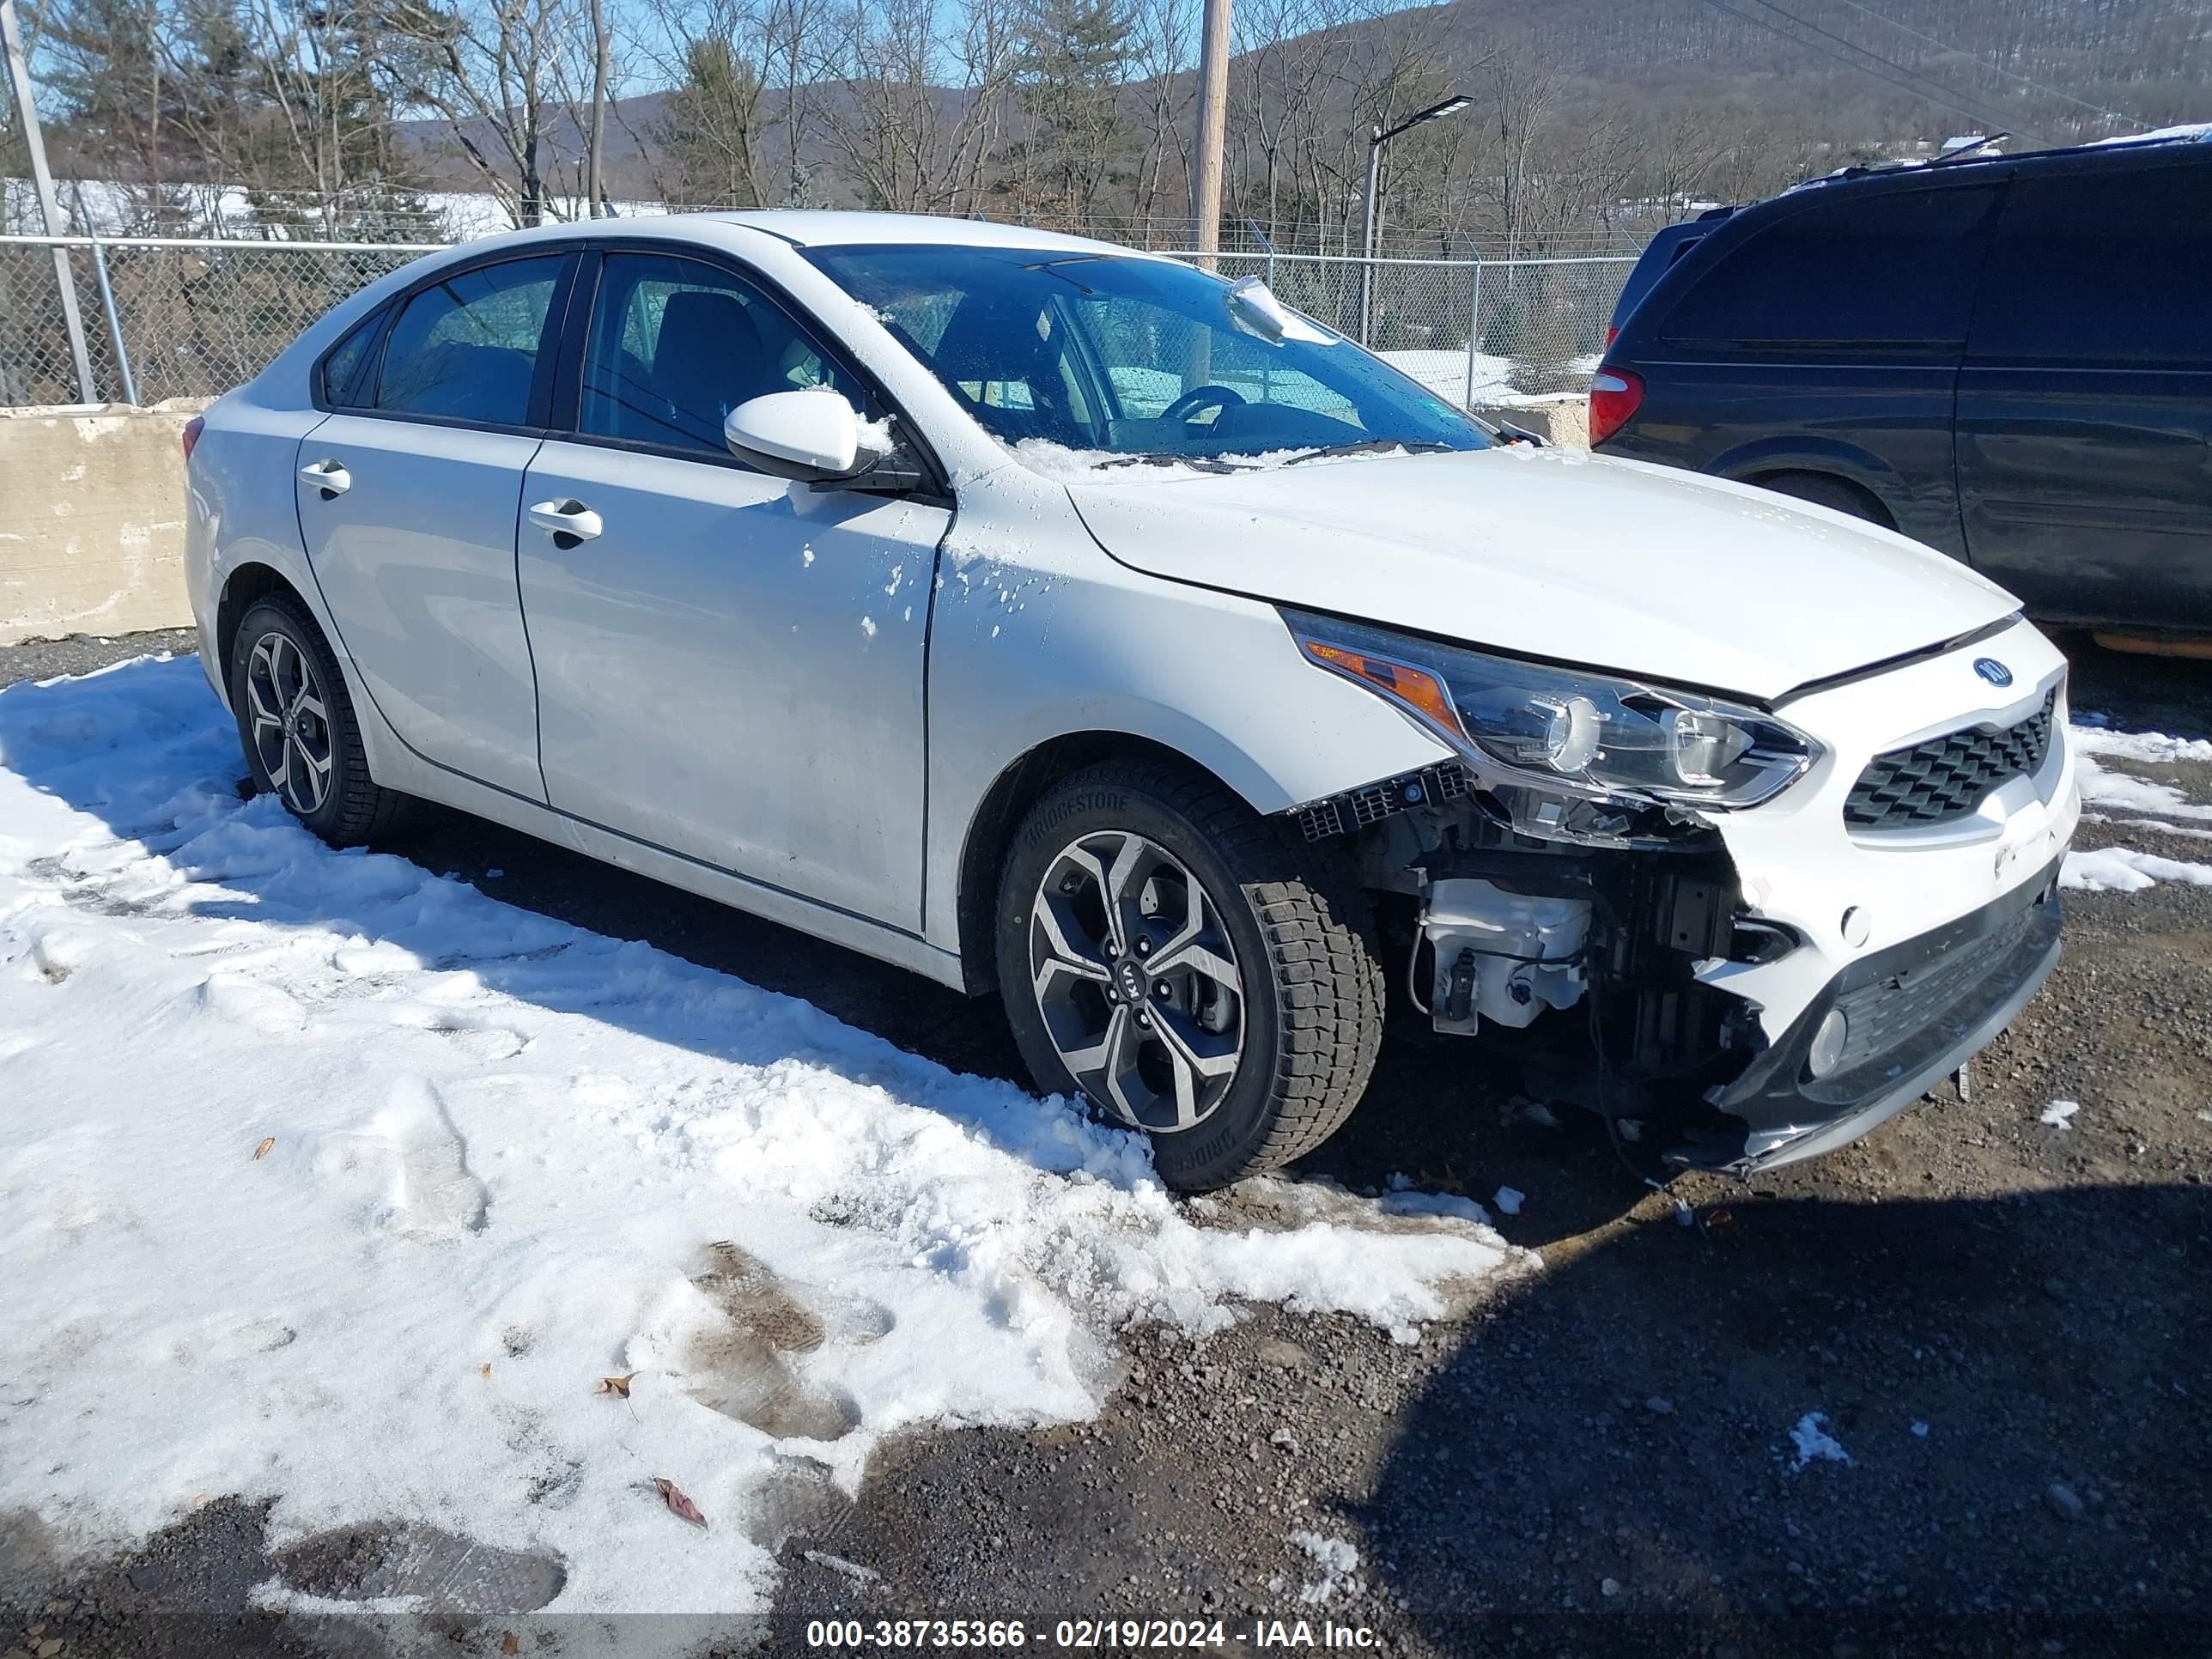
(1133, 360)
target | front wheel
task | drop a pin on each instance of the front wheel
(1188, 966)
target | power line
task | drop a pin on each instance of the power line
(1932, 91)
(1996, 68)
(1931, 86)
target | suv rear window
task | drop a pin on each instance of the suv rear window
(1896, 270)
(2093, 267)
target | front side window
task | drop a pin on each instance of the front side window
(1132, 357)
(676, 345)
(1895, 269)
(466, 348)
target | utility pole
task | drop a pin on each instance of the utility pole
(19, 72)
(594, 184)
(1213, 129)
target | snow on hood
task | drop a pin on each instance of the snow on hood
(1546, 553)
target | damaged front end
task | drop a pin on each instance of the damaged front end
(1578, 959)
(1570, 890)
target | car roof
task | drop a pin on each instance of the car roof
(821, 227)
(2168, 144)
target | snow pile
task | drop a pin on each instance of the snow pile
(2059, 1114)
(327, 1179)
(1815, 1443)
(1339, 1561)
(2140, 802)
(2123, 870)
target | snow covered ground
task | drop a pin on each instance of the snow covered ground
(329, 1180)
(2111, 796)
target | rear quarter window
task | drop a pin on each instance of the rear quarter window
(342, 366)
(1896, 270)
(2101, 267)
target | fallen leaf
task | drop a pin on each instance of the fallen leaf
(485, 1370)
(510, 1643)
(678, 1505)
(616, 1385)
(267, 1141)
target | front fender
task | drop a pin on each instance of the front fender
(1045, 637)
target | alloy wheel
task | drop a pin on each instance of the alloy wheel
(1137, 980)
(289, 723)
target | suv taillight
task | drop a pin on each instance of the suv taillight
(193, 427)
(1615, 394)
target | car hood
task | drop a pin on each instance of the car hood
(1546, 553)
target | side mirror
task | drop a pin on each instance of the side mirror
(813, 434)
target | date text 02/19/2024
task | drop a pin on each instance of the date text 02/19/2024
(1090, 1635)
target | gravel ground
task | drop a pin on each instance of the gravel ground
(2002, 1326)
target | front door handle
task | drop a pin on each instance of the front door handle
(329, 476)
(568, 521)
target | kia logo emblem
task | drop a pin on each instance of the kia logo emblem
(1993, 670)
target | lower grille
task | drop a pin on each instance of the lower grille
(1357, 808)
(1950, 776)
(1884, 1015)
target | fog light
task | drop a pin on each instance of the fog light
(1827, 1049)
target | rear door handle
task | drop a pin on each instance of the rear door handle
(569, 519)
(329, 476)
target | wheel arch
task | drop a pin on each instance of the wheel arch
(1877, 510)
(1018, 787)
(247, 582)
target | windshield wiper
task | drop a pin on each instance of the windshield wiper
(1371, 446)
(1168, 458)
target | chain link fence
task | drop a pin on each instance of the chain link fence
(167, 318)
(174, 318)
(1473, 331)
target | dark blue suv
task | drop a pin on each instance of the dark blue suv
(2007, 357)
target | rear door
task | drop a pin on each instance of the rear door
(2085, 405)
(408, 504)
(730, 666)
(1826, 340)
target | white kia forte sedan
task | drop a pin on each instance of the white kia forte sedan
(1069, 623)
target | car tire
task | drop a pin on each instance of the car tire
(296, 724)
(1824, 491)
(1273, 965)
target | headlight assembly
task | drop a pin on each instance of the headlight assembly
(1579, 733)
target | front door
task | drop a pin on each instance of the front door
(2085, 405)
(729, 666)
(408, 507)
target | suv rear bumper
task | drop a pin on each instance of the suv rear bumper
(1915, 1013)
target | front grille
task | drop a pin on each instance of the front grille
(1950, 776)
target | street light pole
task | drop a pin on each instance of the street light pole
(19, 72)
(1378, 136)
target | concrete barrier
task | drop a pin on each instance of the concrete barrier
(1563, 420)
(91, 512)
(91, 520)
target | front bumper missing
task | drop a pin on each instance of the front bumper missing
(1917, 1011)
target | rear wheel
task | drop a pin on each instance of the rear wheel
(296, 724)
(1187, 968)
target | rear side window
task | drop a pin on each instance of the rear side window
(2098, 267)
(342, 368)
(466, 348)
(1895, 270)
